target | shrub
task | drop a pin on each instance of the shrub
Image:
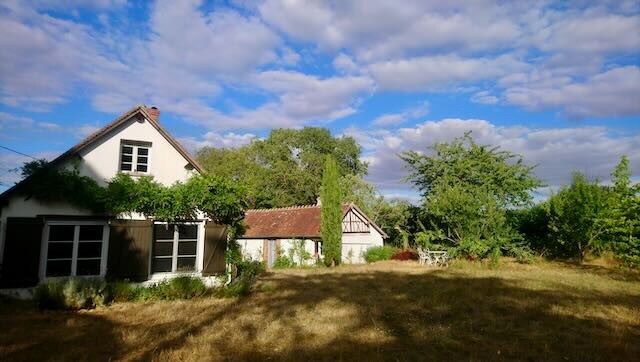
(248, 273)
(252, 268)
(283, 262)
(72, 293)
(404, 255)
(120, 291)
(378, 253)
(182, 287)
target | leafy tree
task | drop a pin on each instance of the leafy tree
(466, 190)
(622, 221)
(331, 213)
(574, 217)
(285, 168)
(533, 223)
(362, 193)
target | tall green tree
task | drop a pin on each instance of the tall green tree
(622, 222)
(575, 215)
(285, 168)
(331, 213)
(466, 189)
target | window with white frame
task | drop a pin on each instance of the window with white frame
(174, 248)
(134, 156)
(75, 249)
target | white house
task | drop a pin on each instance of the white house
(42, 240)
(273, 231)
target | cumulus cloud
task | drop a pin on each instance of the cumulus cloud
(438, 72)
(11, 121)
(217, 140)
(484, 97)
(375, 30)
(615, 92)
(401, 117)
(556, 151)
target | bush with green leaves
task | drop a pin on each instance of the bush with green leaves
(72, 293)
(379, 253)
(248, 273)
(181, 287)
(467, 189)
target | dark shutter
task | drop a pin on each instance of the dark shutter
(215, 245)
(129, 249)
(21, 260)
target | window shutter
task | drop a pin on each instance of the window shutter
(129, 249)
(21, 264)
(215, 245)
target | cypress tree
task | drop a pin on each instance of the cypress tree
(331, 213)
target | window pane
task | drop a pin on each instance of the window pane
(186, 264)
(127, 158)
(163, 249)
(88, 267)
(61, 232)
(143, 151)
(161, 265)
(127, 149)
(59, 250)
(58, 268)
(91, 232)
(142, 160)
(141, 168)
(187, 248)
(163, 231)
(89, 250)
(187, 231)
(125, 167)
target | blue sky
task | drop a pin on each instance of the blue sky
(557, 83)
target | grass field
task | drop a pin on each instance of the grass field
(384, 311)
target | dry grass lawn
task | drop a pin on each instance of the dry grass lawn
(384, 311)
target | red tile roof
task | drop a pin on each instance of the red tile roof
(289, 222)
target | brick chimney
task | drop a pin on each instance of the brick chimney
(154, 112)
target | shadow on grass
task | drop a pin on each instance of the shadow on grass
(370, 315)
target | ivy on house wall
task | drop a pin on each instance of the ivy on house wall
(220, 199)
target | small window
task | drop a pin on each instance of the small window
(135, 157)
(174, 248)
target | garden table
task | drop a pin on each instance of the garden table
(433, 257)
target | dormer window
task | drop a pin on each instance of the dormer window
(134, 156)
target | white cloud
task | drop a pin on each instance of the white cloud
(345, 64)
(614, 93)
(438, 72)
(8, 120)
(376, 30)
(397, 118)
(556, 151)
(213, 139)
(590, 33)
(484, 97)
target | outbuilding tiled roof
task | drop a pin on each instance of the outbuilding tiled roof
(289, 222)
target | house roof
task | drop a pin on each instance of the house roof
(150, 114)
(291, 222)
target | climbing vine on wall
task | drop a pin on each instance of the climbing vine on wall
(218, 198)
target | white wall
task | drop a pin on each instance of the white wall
(358, 243)
(166, 165)
(252, 249)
